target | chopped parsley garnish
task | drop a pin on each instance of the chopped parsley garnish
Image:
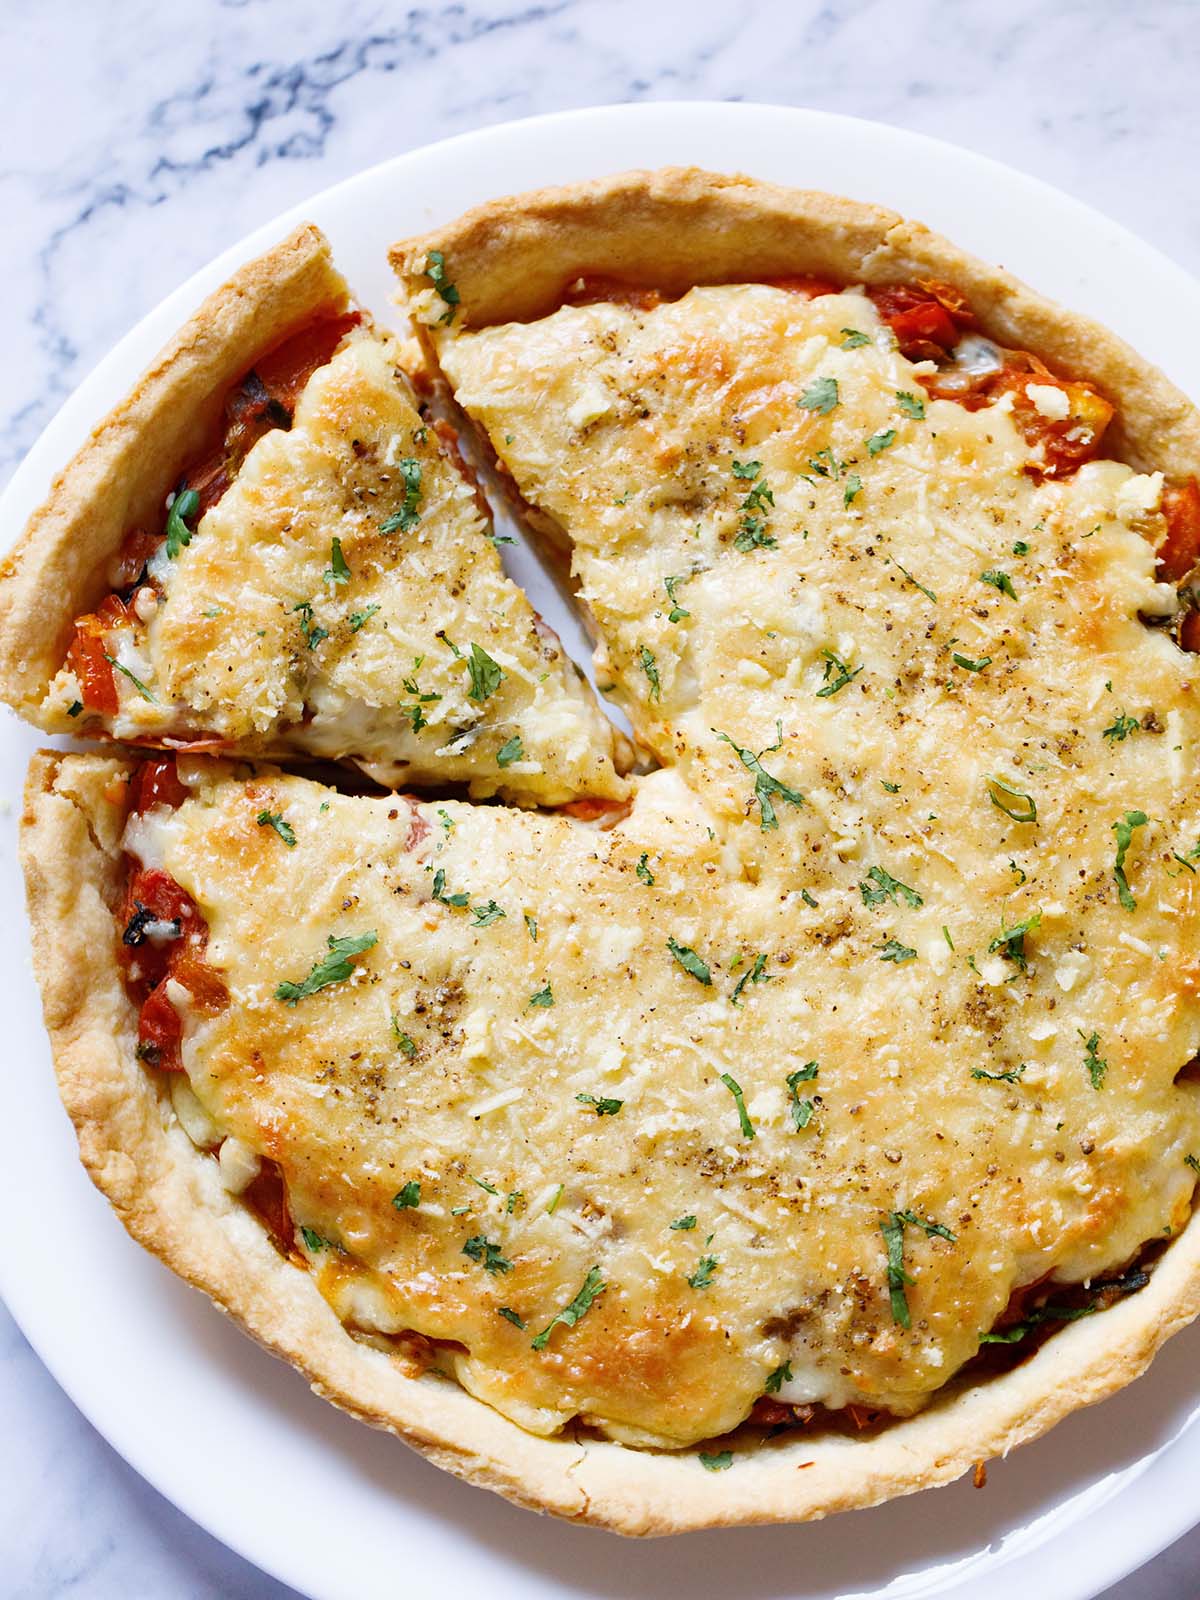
(892, 1228)
(489, 1256)
(312, 631)
(892, 788)
(756, 974)
(808, 899)
(312, 1239)
(880, 441)
(1010, 942)
(408, 1196)
(999, 580)
(358, 618)
(702, 1277)
(821, 396)
(485, 675)
(510, 1315)
(746, 469)
(514, 1201)
(408, 516)
(482, 1183)
(739, 1101)
(273, 819)
(416, 711)
(1096, 1068)
(593, 1285)
(802, 1109)
(1020, 547)
(531, 927)
(650, 668)
(1124, 831)
(602, 1105)
(883, 887)
(1010, 1075)
(75, 708)
(776, 1380)
(1121, 727)
(439, 891)
(336, 967)
(1025, 811)
(971, 666)
(435, 271)
(337, 571)
(716, 1462)
(852, 489)
(837, 675)
(676, 613)
(683, 1224)
(1128, 1283)
(643, 870)
(136, 682)
(853, 340)
(765, 786)
(183, 506)
(1193, 1162)
(690, 962)
(928, 593)
(911, 405)
(483, 916)
(404, 1041)
(511, 750)
(543, 998)
(752, 530)
(893, 950)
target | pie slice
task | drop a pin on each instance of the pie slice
(268, 547)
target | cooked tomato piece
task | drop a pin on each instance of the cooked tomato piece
(810, 288)
(606, 812)
(267, 1195)
(160, 1031)
(202, 982)
(1189, 639)
(927, 319)
(137, 549)
(285, 370)
(591, 287)
(1067, 442)
(156, 783)
(772, 1413)
(88, 655)
(1180, 550)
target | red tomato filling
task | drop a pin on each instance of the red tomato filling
(928, 319)
(591, 287)
(163, 935)
(1180, 550)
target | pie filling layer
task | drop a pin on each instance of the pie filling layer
(861, 1038)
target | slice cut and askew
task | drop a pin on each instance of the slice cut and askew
(316, 577)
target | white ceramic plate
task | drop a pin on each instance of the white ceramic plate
(234, 1437)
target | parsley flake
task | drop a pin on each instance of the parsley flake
(1121, 727)
(510, 1315)
(883, 887)
(1124, 831)
(852, 339)
(716, 1462)
(511, 750)
(802, 1109)
(776, 1380)
(337, 571)
(1009, 1075)
(999, 580)
(336, 967)
(1096, 1067)
(702, 1277)
(136, 682)
(273, 819)
(487, 1253)
(911, 405)
(821, 396)
(765, 785)
(893, 950)
(739, 1101)
(440, 895)
(435, 271)
(358, 618)
(676, 613)
(683, 1224)
(690, 962)
(602, 1106)
(836, 676)
(593, 1285)
(408, 515)
(485, 675)
(543, 998)
(971, 666)
(650, 668)
(1010, 942)
(756, 974)
(184, 505)
(880, 441)
(1025, 812)
(408, 1196)
(643, 870)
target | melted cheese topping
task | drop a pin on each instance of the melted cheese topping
(827, 984)
(263, 639)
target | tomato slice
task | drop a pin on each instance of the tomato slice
(88, 655)
(267, 1195)
(1180, 550)
(160, 1031)
(155, 783)
(927, 319)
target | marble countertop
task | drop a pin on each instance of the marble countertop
(138, 140)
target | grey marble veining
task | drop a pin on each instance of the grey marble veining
(138, 139)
